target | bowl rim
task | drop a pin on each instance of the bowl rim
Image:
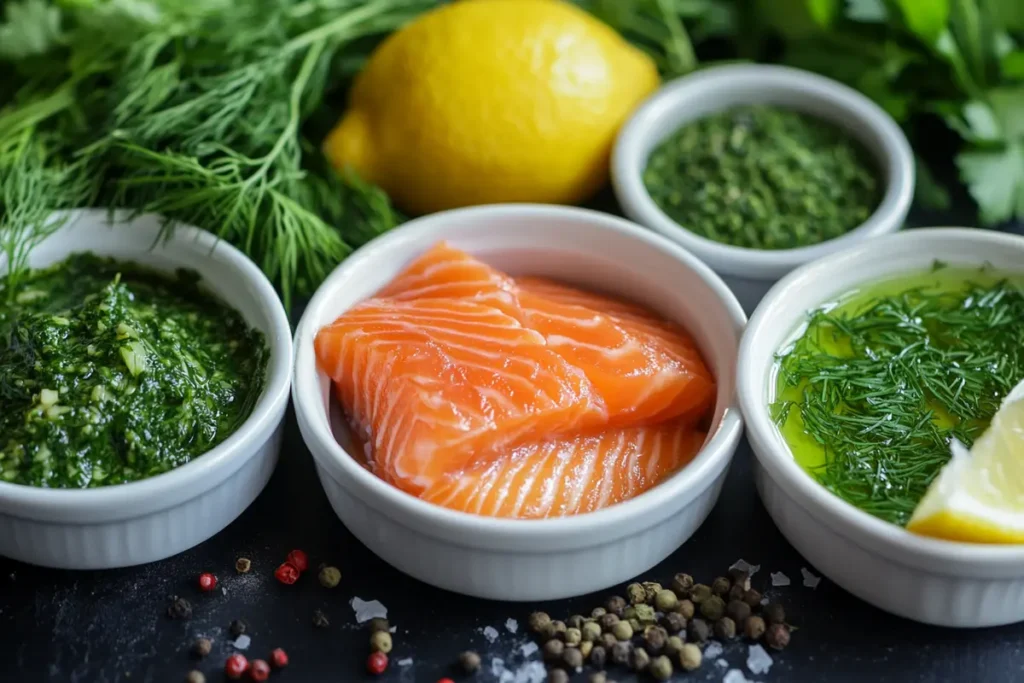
(687, 483)
(164, 490)
(894, 156)
(883, 538)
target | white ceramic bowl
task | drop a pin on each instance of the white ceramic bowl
(751, 272)
(148, 520)
(928, 580)
(529, 559)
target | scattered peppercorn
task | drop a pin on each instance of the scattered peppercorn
(592, 630)
(279, 658)
(572, 658)
(681, 584)
(379, 624)
(195, 677)
(608, 621)
(673, 646)
(329, 577)
(673, 622)
(635, 625)
(558, 676)
(645, 614)
(720, 586)
(207, 582)
(629, 613)
(620, 653)
(381, 642)
(320, 619)
(713, 608)
(777, 636)
(615, 605)
(235, 666)
(237, 628)
(202, 647)
(259, 670)
(654, 639)
(686, 609)
(752, 598)
(661, 668)
(651, 589)
(585, 647)
(598, 612)
(725, 629)
(298, 559)
(377, 663)
(736, 592)
(622, 631)
(608, 641)
(699, 593)
(598, 656)
(740, 577)
(635, 593)
(665, 601)
(690, 657)
(469, 661)
(754, 628)
(180, 608)
(573, 637)
(598, 677)
(639, 660)
(556, 629)
(575, 621)
(553, 650)
(287, 573)
(243, 565)
(738, 611)
(774, 613)
(539, 621)
(698, 631)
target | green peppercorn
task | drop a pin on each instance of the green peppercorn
(754, 627)
(629, 613)
(651, 590)
(689, 657)
(591, 631)
(539, 621)
(573, 637)
(740, 577)
(661, 668)
(598, 612)
(699, 593)
(608, 641)
(639, 660)
(201, 647)
(575, 621)
(598, 656)
(608, 621)
(329, 577)
(654, 639)
(195, 677)
(673, 646)
(645, 614)
(725, 629)
(553, 650)
(620, 653)
(379, 624)
(713, 608)
(585, 648)
(636, 625)
(673, 622)
(469, 661)
(777, 636)
(720, 586)
(598, 677)
(381, 642)
(738, 611)
(681, 584)
(752, 598)
(736, 592)
(622, 631)
(698, 631)
(774, 613)
(665, 601)
(686, 608)
(635, 593)
(572, 658)
(557, 676)
(615, 605)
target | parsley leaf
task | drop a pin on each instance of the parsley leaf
(30, 28)
(996, 181)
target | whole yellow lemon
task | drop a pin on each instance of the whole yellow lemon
(486, 101)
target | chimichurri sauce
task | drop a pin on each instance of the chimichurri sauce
(112, 373)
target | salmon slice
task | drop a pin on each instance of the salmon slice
(432, 384)
(641, 371)
(571, 475)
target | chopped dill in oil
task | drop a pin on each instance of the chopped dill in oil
(872, 392)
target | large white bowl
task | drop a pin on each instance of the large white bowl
(529, 559)
(751, 272)
(148, 520)
(925, 579)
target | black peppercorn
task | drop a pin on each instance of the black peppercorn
(720, 586)
(681, 584)
(575, 621)
(608, 641)
(379, 624)
(598, 656)
(635, 593)
(651, 589)
(598, 612)
(698, 631)
(237, 628)
(572, 658)
(740, 577)
(608, 621)
(202, 647)
(615, 605)
(713, 608)
(774, 613)
(738, 611)
(553, 630)
(320, 620)
(673, 622)
(752, 598)
(777, 636)
(639, 660)
(725, 629)
(736, 592)
(469, 661)
(557, 676)
(654, 639)
(180, 608)
(620, 653)
(539, 621)
(553, 650)
(699, 593)
(686, 609)
(754, 627)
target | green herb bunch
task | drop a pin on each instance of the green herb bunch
(194, 109)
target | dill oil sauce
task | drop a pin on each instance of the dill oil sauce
(872, 391)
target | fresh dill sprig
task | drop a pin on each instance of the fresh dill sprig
(883, 389)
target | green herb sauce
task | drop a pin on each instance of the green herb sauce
(870, 395)
(112, 373)
(763, 178)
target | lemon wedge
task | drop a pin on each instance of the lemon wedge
(978, 496)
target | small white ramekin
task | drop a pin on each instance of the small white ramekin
(925, 579)
(529, 559)
(152, 519)
(751, 272)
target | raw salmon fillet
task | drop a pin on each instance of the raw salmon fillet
(571, 475)
(643, 372)
(433, 384)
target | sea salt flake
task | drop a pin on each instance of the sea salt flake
(764, 600)
(758, 660)
(528, 648)
(404, 662)
(735, 676)
(491, 634)
(531, 672)
(366, 610)
(713, 650)
(780, 579)
(722, 663)
(242, 642)
(745, 566)
(393, 629)
(810, 580)
(512, 625)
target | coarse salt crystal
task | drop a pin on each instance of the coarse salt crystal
(531, 672)
(242, 642)
(745, 566)
(713, 650)
(528, 648)
(758, 660)
(404, 662)
(366, 610)
(780, 579)
(512, 625)
(491, 634)
(735, 676)
(764, 600)
(810, 580)
(393, 629)
(722, 663)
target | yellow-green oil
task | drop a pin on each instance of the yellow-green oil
(807, 452)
